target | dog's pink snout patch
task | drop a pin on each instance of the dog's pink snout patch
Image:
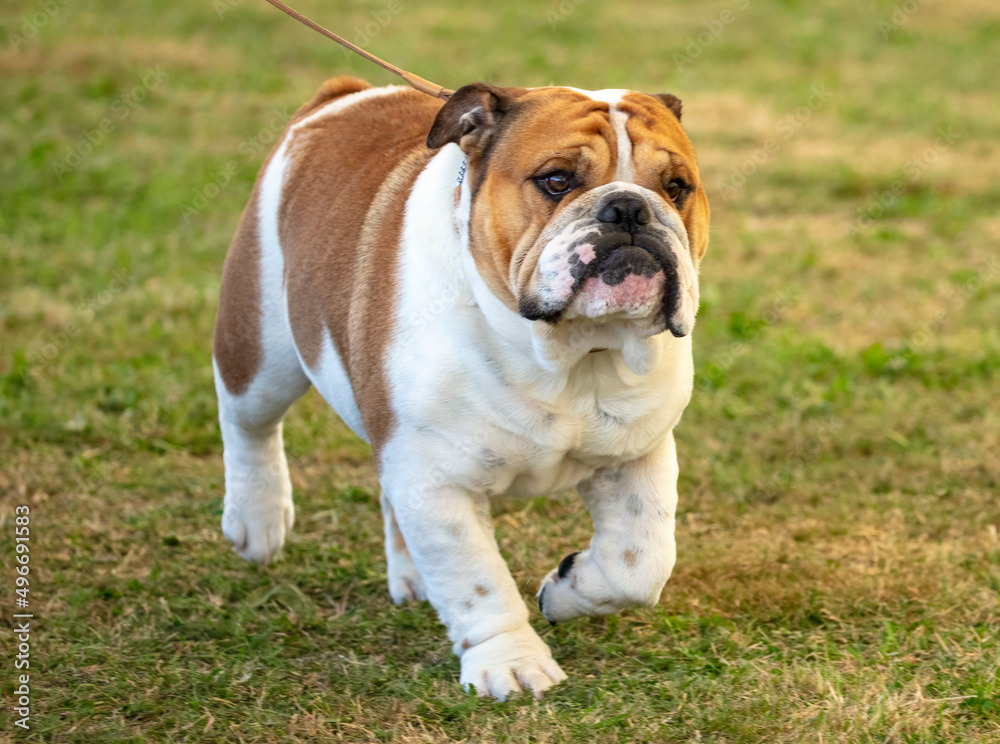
(586, 253)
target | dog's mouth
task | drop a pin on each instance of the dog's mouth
(628, 275)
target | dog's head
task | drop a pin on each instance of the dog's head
(582, 204)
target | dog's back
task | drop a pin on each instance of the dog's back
(334, 254)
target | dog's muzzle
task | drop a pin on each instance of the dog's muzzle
(623, 263)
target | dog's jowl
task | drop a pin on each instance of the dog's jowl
(498, 293)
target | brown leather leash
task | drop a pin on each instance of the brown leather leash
(424, 86)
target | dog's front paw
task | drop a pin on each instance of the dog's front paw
(258, 532)
(571, 591)
(510, 662)
(583, 587)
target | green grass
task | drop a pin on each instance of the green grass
(839, 561)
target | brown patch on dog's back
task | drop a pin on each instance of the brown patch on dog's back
(237, 346)
(340, 222)
(630, 557)
(481, 590)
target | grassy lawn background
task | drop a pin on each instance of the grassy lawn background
(838, 564)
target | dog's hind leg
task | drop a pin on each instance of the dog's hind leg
(258, 375)
(404, 579)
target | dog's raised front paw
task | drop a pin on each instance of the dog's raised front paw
(510, 662)
(566, 592)
(258, 533)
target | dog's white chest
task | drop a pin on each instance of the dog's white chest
(490, 431)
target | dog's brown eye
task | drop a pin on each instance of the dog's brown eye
(557, 183)
(674, 189)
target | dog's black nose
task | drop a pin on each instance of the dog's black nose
(628, 210)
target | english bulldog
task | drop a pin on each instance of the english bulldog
(497, 292)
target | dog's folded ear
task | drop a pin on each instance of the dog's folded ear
(671, 101)
(470, 115)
